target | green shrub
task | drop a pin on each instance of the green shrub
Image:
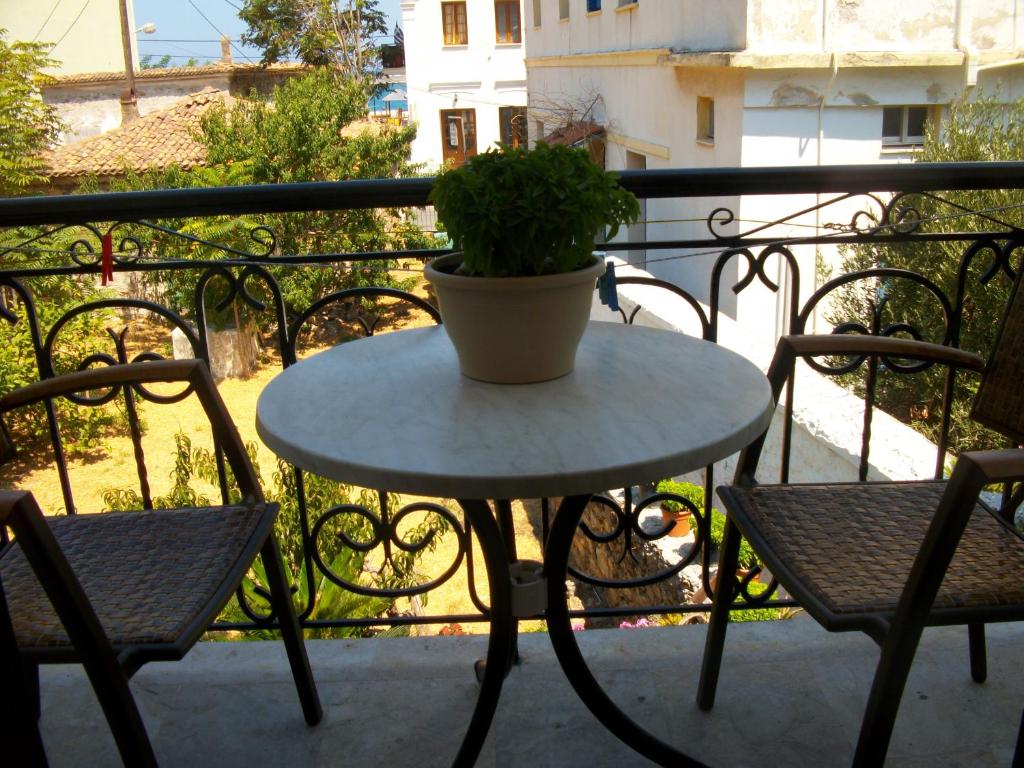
(19, 366)
(747, 558)
(695, 495)
(755, 588)
(692, 493)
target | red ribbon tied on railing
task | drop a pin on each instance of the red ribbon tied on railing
(107, 258)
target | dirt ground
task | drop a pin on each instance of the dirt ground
(113, 467)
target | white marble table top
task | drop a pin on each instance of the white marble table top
(393, 412)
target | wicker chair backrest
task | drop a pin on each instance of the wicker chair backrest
(1000, 400)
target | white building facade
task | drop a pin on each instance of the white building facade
(756, 83)
(466, 77)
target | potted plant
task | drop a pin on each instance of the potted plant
(675, 513)
(515, 298)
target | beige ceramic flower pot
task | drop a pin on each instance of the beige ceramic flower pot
(513, 330)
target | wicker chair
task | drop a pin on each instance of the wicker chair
(116, 590)
(888, 558)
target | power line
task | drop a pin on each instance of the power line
(46, 21)
(195, 56)
(202, 40)
(72, 25)
(215, 29)
(175, 40)
(237, 8)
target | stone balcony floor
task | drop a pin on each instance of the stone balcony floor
(790, 695)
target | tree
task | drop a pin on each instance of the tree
(27, 124)
(317, 32)
(148, 62)
(303, 132)
(978, 129)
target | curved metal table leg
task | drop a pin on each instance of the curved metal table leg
(563, 639)
(499, 646)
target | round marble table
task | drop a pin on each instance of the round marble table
(393, 412)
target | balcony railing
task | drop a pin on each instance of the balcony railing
(750, 245)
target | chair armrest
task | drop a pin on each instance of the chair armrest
(816, 345)
(1003, 466)
(790, 348)
(194, 372)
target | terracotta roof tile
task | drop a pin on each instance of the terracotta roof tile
(165, 73)
(154, 141)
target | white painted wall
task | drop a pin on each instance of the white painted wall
(779, 111)
(718, 25)
(87, 35)
(881, 25)
(482, 75)
(89, 110)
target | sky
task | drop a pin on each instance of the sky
(192, 28)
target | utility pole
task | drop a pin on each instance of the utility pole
(129, 100)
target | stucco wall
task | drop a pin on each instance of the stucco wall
(88, 39)
(781, 98)
(482, 75)
(652, 111)
(719, 25)
(89, 110)
(788, 26)
(881, 25)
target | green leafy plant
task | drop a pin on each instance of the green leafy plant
(181, 493)
(301, 132)
(28, 125)
(518, 212)
(692, 493)
(981, 128)
(747, 557)
(695, 495)
(77, 340)
(755, 588)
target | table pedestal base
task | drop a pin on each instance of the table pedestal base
(500, 646)
(563, 640)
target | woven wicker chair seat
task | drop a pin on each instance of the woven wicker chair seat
(851, 546)
(149, 574)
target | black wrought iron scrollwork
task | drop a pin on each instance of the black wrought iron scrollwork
(749, 256)
(628, 532)
(384, 534)
(885, 282)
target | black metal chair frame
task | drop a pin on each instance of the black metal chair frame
(109, 667)
(898, 632)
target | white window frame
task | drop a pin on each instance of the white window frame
(905, 139)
